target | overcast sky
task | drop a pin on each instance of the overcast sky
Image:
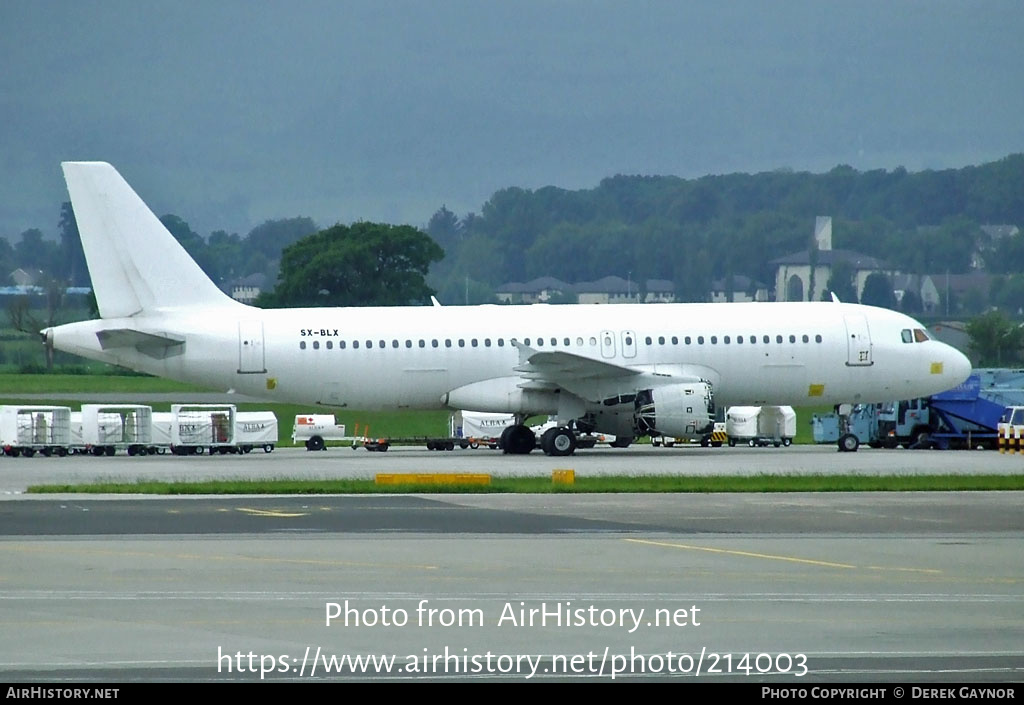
(229, 112)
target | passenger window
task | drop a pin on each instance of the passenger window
(807, 339)
(355, 344)
(316, 344)
(907, 336)
(369, 344)
(714, 340)
(382, 344)
(423, 343)
(567, 342)
(686, 340)
(792, 338)
(817, 339)
(462, 342)
(675, 340)
(302, 345)
(394, 343)
(487, 342)
(341, 345)
(447, 342)
(579, 342)
(330, 345)
(473, 342)
(739, 340)
(778, 339)
(766, 339)
(408, 343)
(501, 342)
(593, 341)
(526, 342)
(554, 342)
(700, 340)
(661, 340)
(725, 340)
(433, 343)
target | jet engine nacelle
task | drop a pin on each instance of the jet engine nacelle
(674, 410)
(503, 395)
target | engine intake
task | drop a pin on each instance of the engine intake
(674, 410)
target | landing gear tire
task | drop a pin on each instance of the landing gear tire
(848, 443)
(563, 442)
(732, 442)
(545, 440)
(520, 440)
(503, 438)
(558, 442)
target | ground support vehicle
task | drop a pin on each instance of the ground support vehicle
(714, 439)
(256, 429)
(315, 430)
(966, 416)
(108, 428)
(760, 426)
(199, 427)
(27, 430)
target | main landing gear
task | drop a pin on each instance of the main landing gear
(558, 441)
(517, 440)
(520, 440)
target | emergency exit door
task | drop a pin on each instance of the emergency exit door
(858, 341)
(251, 358)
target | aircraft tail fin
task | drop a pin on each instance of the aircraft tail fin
(135, 263)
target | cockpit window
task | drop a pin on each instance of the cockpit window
(907, 336)
(920, 336)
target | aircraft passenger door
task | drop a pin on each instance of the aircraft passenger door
(628, 343)
(858, 341)
(607, 344)
(250, 347)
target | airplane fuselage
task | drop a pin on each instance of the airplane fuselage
(629, 369)
(411, 357)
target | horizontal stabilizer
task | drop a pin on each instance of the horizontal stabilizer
(153, 345)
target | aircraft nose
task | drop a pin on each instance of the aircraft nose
(958, 367)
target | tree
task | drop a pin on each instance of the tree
(365, 264)
(34, 252)
(878, 291)
(995, 339)
(272, 236)
(444, 228)
(840, 283)
(73, 266)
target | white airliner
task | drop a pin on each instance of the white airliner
(628, 370)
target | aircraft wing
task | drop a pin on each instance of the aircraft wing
(588, 378)
(558, 366)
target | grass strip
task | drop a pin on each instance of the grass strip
(544, 485)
